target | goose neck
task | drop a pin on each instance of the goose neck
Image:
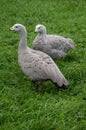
(23, 39)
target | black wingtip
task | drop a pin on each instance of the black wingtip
(61, 87)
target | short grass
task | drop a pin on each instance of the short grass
(22, 107)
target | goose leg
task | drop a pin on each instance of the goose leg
(41, 85)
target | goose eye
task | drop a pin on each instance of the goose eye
(16, 26)
(39, 27)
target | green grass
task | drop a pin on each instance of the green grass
(22, 106)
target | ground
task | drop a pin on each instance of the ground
(22, 106)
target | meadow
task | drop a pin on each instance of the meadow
(22, 106)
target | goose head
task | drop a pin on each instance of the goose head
(40, 29)
(18, 28)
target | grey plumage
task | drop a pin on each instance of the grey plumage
(37, 65)
(54, 45)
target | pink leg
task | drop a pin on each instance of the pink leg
(41, 85)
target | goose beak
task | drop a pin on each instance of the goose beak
(12, 28)
(35, 30)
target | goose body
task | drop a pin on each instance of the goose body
(37, 65)
(54, 45)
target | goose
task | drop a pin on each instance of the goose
(54, 45)
(37, 65)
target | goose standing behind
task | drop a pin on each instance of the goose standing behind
(37, 65)
(54, 45)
